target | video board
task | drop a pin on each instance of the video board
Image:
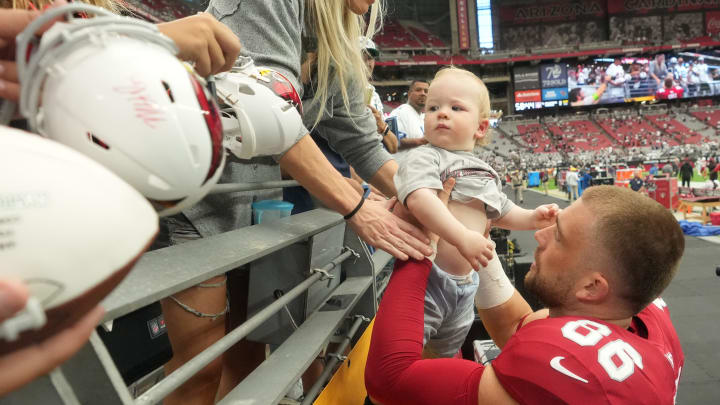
(617, 80)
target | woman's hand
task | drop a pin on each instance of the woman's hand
(377, 226)
(22, 366)
(204, 40)
(378, 119)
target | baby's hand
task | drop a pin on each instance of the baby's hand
(476, 249)
(545, 215)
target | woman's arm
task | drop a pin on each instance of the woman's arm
(373, 222)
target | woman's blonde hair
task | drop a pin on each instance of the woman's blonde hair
(111, 5)
(482, 99)
(338, 31)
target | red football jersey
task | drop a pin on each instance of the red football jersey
(572, 360)
(670, 94)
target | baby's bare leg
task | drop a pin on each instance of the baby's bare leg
(472, 215)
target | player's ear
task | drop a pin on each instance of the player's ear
(594, 288)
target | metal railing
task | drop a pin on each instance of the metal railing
(332, 251)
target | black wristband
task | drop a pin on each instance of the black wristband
(360, 204)
(387, 129)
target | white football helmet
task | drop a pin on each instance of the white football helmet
(261, 110)
(70, 229)
(112, 88)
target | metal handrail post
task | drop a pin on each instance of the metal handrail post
(252, 186)
(178, 377)
(330, 366)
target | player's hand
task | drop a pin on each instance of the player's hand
(476, 249)
(377, 226)
(545, 215)
(22, 366)
(204, 40)
(13, 22)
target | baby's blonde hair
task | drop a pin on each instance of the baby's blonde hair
(482, 99)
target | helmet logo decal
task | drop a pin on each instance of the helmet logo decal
(281, 86)
(146, 109)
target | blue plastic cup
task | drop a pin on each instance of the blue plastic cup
(267, 210)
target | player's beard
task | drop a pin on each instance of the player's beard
(552, 293)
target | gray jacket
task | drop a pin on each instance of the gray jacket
(271, 32)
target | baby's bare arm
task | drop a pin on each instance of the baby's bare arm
(520, 219)
(432, 213)
(427, 208)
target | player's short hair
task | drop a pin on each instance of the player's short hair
(641, 239)
(668, 83)
(574, 95)
(483, 98)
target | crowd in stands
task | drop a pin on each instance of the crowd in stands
(396, 34)
(621, 136)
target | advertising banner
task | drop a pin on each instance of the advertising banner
(658, 6)
(553, 75)
(463, 31)
(528, 95)
(712, 22)
(526, 77)
(559, 93)
(559, 11)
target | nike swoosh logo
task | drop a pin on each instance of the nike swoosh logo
(555, 363)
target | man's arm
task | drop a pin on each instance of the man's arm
(373, 222)
(600, 90)
(502, 321)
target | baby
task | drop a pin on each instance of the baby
(456, 119)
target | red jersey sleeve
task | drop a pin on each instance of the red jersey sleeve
(395, 372)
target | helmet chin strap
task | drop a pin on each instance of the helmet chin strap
(373, 18)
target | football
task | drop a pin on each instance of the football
(69, 228)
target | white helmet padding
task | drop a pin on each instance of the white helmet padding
(111, 88)
(261, 112)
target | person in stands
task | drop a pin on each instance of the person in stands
(410, 119)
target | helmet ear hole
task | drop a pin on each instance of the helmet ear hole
(97, 141)
(245, 89)
(168, 90)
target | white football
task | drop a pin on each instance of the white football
(69, 228)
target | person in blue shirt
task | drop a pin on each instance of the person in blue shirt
(584, 182)
(654, 169)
